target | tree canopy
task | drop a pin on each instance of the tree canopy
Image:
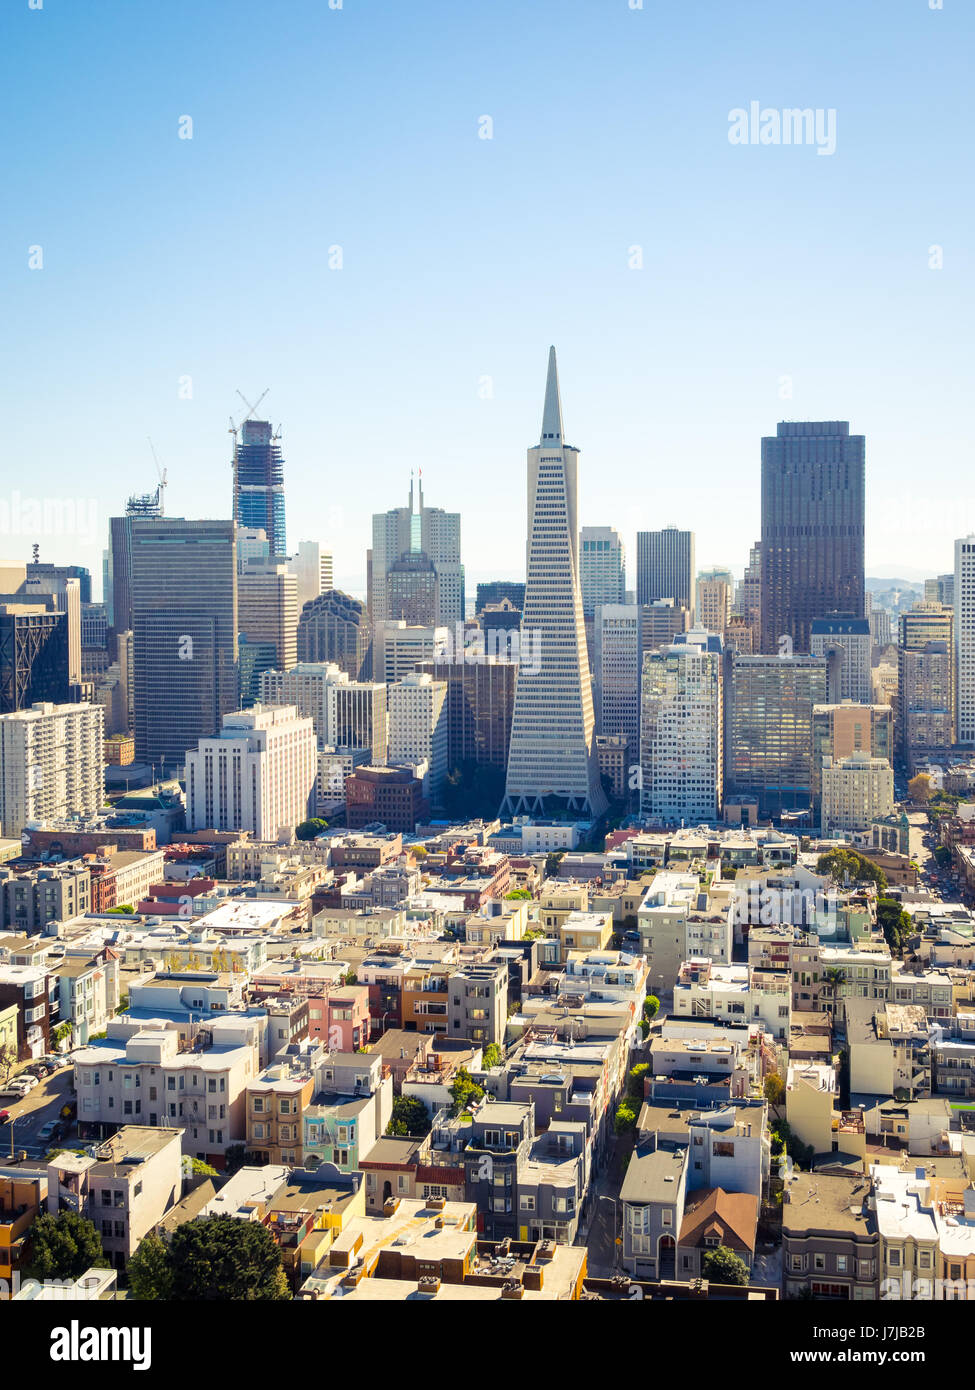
(217, 1258)
(894, 922)
(464, 1090)
(308, 829)
(150, 1276)
(919, 788)
(723, 1266)
(410, 1117)
(847, 866)
(64, 1246)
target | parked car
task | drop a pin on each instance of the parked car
(4, 1117)
(25, 1081)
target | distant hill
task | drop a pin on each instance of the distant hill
(879, 585)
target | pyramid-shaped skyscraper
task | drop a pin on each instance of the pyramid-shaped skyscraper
(551, 759)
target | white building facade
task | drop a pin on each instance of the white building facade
(52, 764)
(257, 775)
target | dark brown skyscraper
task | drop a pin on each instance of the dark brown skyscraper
(812, 528)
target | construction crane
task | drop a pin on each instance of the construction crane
(250, 411)
(163, 475)
(234, 430)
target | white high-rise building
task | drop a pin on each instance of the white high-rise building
(964, 596)
(252, 544)
(312, 566)
(856, 790)
(617, 657)
(345, 713)
(413, 531)
(849, 637)
(552, 766)
(399, 647)
(52, 764)
(418, 727)
(602, 568)
(682, 745)
(258, 774)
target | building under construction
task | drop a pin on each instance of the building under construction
(259, 484)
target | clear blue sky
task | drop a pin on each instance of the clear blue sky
(464, 258)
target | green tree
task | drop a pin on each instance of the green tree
(308, 829)
(8, 1058)
(464, 1091)
(517, 894)
(150, 1276)
(64, 1246)
(62, 1033)
(219, 1258)
(624, 1121)
(552, 862)
(410, 1117)
(774, 1089)
(651, 1006)
(634, 1082)
(846, 865)
(723, 1266)
(122, 907)
(942, 856)
(493, 1056)
(894, 922)
(199, 1169)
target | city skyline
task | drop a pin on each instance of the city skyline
(712, 329)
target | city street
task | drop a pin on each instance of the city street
(43, 1103)
(932, 877)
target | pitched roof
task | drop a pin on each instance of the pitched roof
(730, 1216)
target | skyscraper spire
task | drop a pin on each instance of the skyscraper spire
(552, 414)
(552, 768)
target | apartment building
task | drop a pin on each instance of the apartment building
(351, 1105)
(34, 994)
(134, 1178)
(734, 993)
(276, 1101)
(141, 1077)
(830, 1238)
(652, 1200)
(88, 991)
(477, 1003)
(31, 898)
(258, 774)
(51, 764)
(856, 791)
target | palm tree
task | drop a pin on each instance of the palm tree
(834, 977)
